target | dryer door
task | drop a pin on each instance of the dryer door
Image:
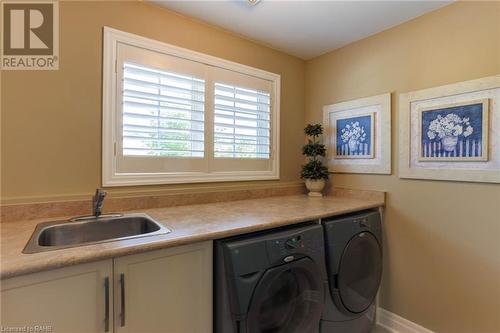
(360, 272)
(288, 298)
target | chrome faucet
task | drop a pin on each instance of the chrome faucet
(97, 202)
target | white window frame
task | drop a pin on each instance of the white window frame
(110, 176)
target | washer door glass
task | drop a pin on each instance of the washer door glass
(360, 272)
(288, 298)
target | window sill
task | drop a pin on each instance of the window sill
(134, 179)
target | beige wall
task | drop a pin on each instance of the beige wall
(51, 120)
(442, 260)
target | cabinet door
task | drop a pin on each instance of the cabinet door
(66, 300)
(165, 291)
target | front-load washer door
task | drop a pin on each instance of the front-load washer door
(288, 299)
(360, 272)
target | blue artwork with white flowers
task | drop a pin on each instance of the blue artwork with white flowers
(453, 132)
(354, 137)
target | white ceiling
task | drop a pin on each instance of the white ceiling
(305, 29)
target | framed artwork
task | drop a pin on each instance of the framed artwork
(355, 136)
(454, 132)
(451, 132)
(358, 135)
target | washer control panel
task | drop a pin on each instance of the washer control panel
(295, 246)
(294, 243)
(362, 222)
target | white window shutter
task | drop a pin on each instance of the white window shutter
(163, 113)
(242, 121)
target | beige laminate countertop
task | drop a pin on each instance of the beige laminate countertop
(189, 224)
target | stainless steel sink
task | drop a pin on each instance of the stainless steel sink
(62, 234)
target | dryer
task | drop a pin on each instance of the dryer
(273, 281)
(353, 250)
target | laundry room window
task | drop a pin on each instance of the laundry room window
(172, 115)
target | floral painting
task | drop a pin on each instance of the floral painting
(354, 137)
(454, 132)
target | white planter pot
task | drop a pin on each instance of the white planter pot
(353, 145)
(449, 142)
(315, 186)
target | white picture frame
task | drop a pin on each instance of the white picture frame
(377, 158)
(483, 168)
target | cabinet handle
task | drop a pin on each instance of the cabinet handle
(122, 290)
(106, 304)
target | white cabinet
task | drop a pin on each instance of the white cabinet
(167, 291)
(65, 300)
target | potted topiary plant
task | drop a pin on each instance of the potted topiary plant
(314, 172)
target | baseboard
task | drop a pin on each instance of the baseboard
(397, 324)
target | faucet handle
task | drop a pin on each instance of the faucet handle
(98, 196)
(99, 193)
(97, 201)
